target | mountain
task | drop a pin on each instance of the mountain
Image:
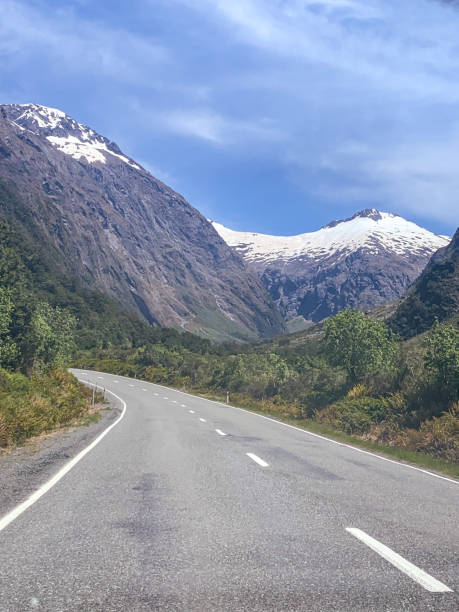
(434, 296)
(360, 262)
(120, 230)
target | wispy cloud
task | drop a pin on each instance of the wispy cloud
(73, 43)
(419, 178)
(220, 130)
(391, 46)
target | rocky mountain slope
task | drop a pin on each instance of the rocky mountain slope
(434, 296)
(120, 230)
(368, 259)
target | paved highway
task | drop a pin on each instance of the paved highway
(187, 504)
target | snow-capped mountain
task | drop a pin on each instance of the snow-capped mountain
(118, 229)
(66, 134)
(359, 262)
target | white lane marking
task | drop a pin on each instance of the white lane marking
(117, 381)
(18, 510)
(191, 411)
(101, 377)
(310, 433)
(418, 575)
(183, 405)
(131, 385)
(156, 394)
(257, 459)
(164, 397)
(220, 432)
(203, 420)
(174, 401)
(143, 389)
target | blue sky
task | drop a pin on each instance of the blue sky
(274, 116)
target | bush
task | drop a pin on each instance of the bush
(354, 415)
(439, 436)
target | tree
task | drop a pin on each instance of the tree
(8, 349)
(442, 359)
(51, 337)
(359, 344)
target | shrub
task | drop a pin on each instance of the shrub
(354, 415)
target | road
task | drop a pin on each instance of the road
(188, 504)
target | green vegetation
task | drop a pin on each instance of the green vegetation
(31, 406)
(434, 297)
(354, 377)
(359, 344)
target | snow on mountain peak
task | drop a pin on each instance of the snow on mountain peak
(369, 229)
(65, 134)
(44, 116)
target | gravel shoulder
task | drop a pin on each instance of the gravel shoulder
(27, 467)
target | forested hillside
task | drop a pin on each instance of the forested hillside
(434, 296)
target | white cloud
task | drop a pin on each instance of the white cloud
(220, 130)
(419, 178)
(392, 45)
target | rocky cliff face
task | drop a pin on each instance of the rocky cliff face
(121, 230)
(360, 262)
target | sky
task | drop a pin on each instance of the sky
(273, 116)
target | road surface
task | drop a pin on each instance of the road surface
(188, 504)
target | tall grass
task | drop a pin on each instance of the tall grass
(31, 406)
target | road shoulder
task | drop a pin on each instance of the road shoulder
(26, 468)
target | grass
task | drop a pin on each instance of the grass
(30, 407)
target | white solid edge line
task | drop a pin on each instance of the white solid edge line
(418, 575)
(257, 459)
(203, 420)
(306, 432)
(22, 507)
(220, 432)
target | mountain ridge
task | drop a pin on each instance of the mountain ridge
(368, 259)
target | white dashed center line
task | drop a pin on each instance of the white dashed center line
(101, 377)
(220, 432)
(143, 389)
(191, 411)
(183, 405)
(203, 420)
(257, 459)
(131, 385)
(165, 397)
(418, 575)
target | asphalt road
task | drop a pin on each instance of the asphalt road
(188, 504)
